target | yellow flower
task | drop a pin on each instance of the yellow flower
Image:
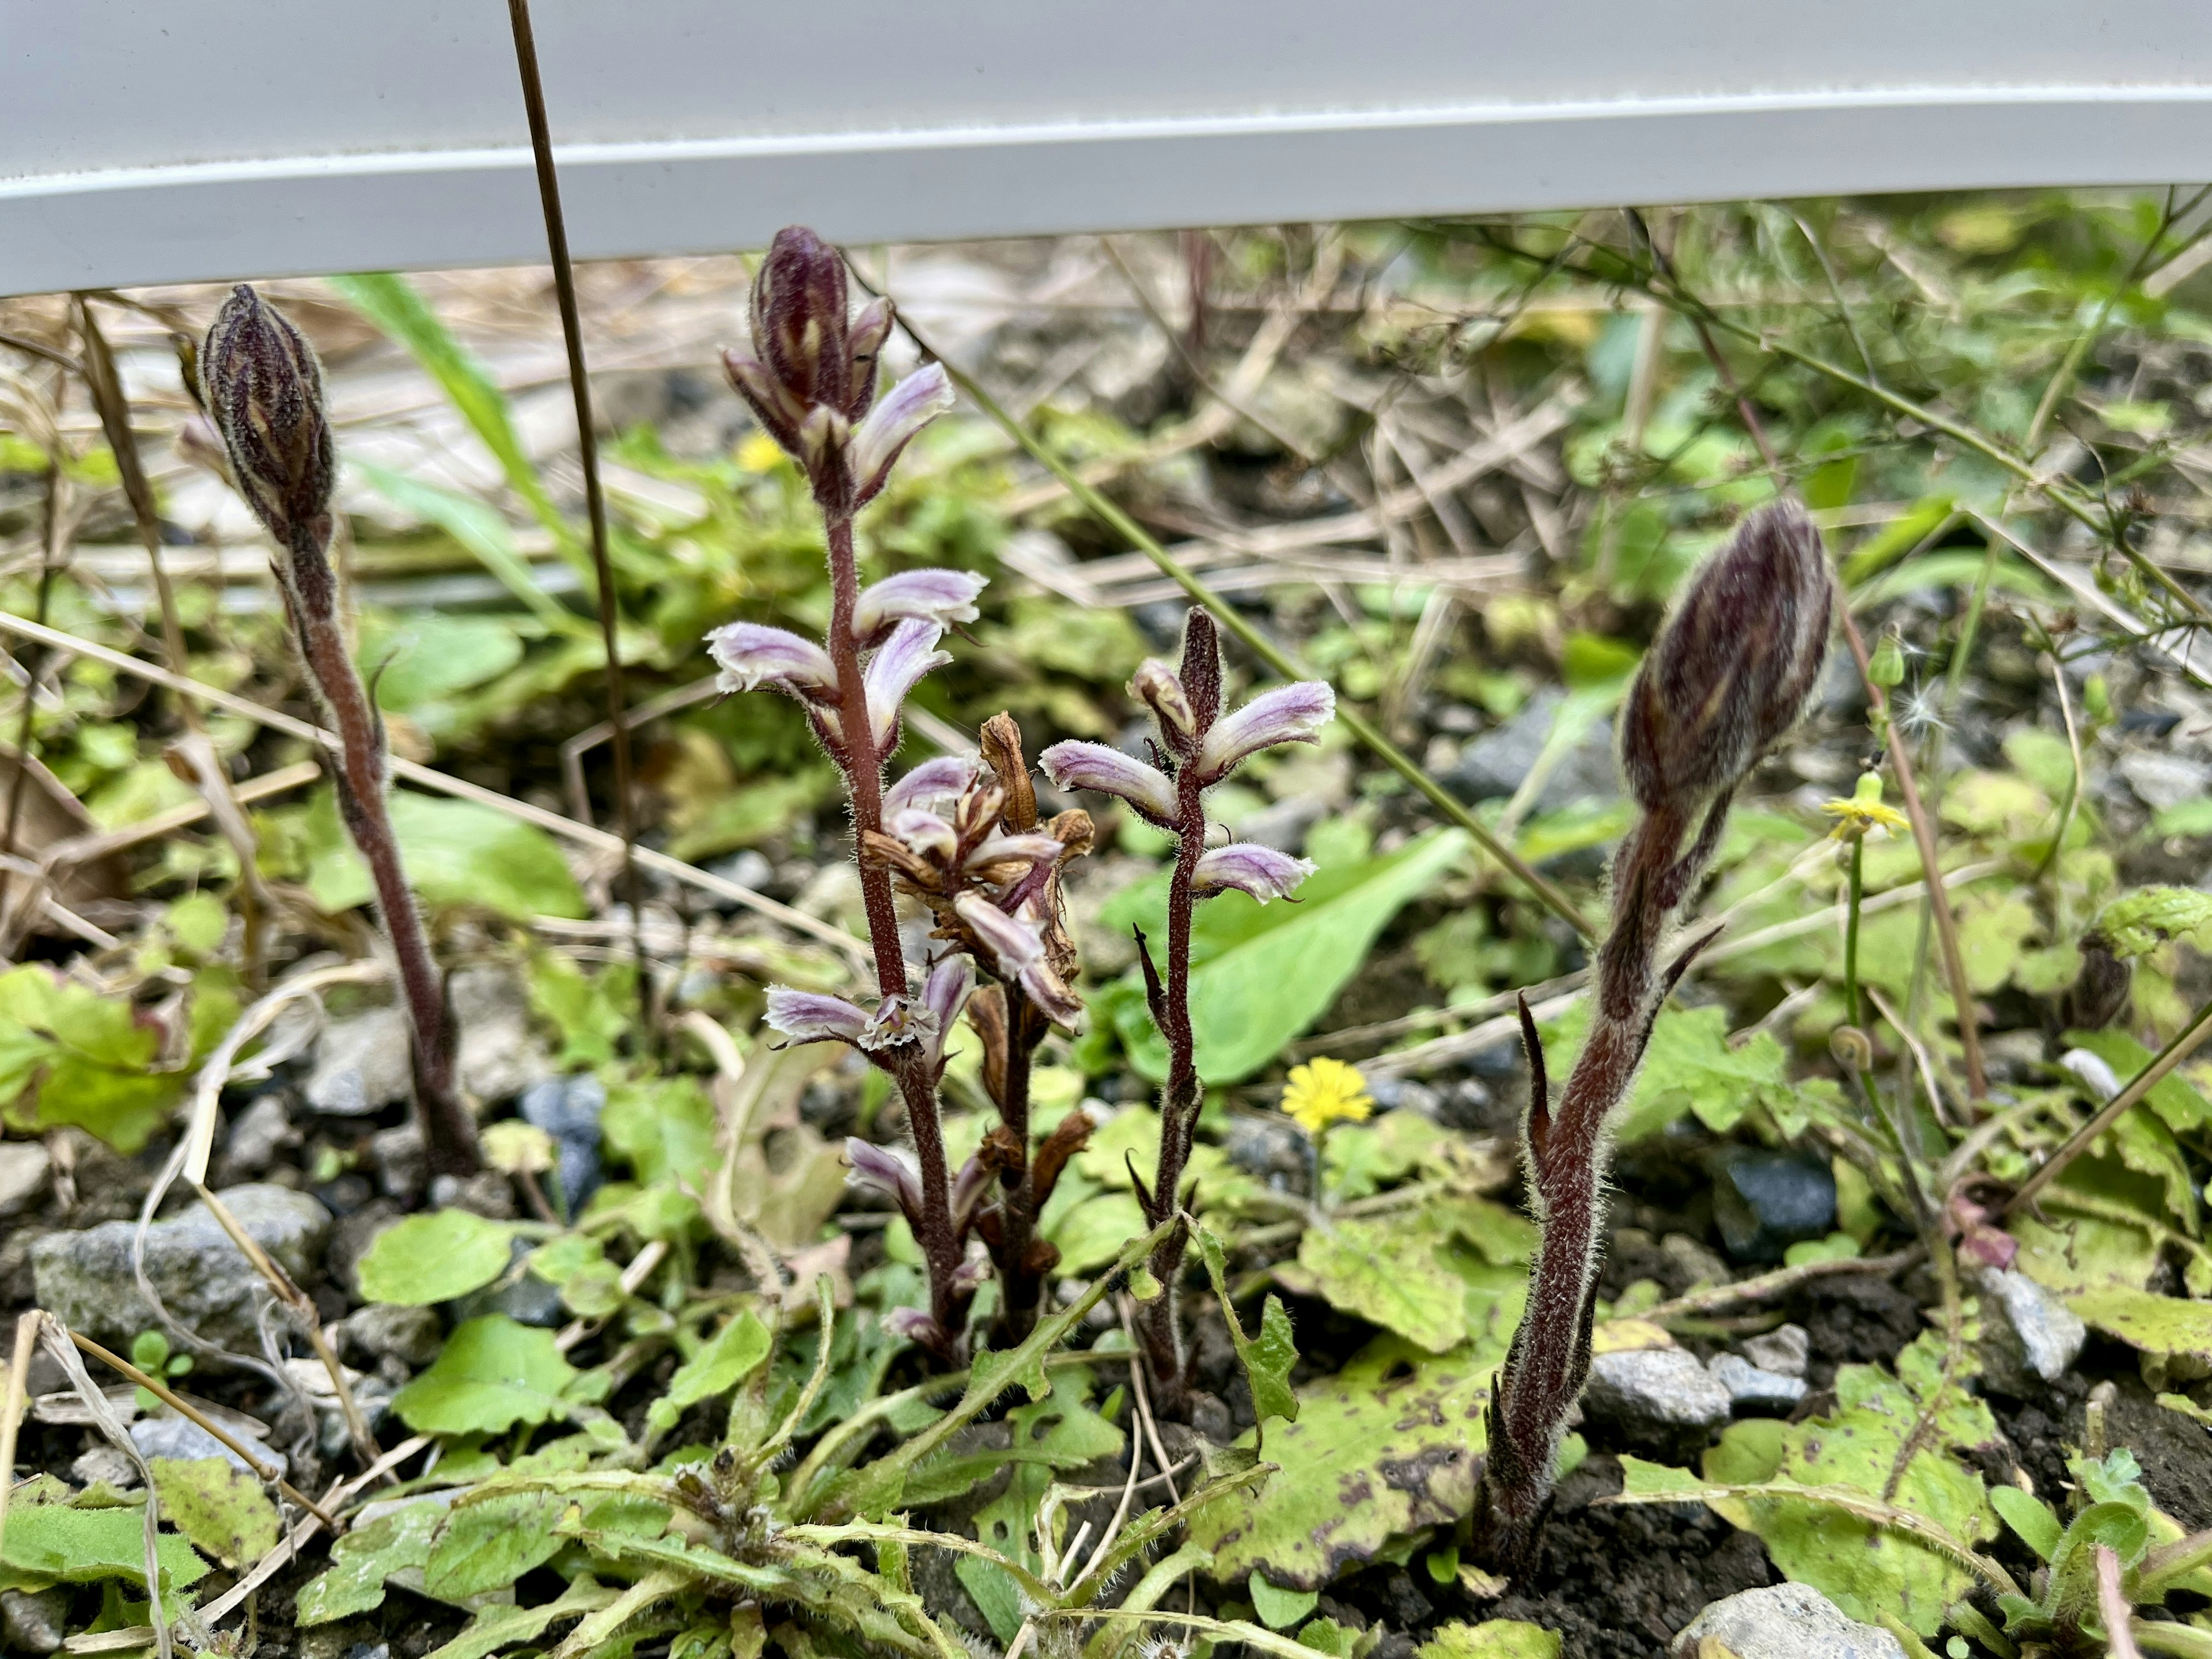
(1854, 819)
(1323, 1092)
(758, 452)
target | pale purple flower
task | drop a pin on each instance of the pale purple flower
(911, 653)
(970, 1187)
(1156, 685)
(1109, 772)
(907, 408)
(890, 1171)
(1289, 714)
(1002, 849)
(952, 977)
(940, 779)
(900, 1019)
(1015, 946)
(923, 832)
(1250, 868)
(943, 596)
(915, 1325)
(750, 655)
(813, 1017)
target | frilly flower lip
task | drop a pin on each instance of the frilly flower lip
(894, 671)
(1250, 868)
(751, 655)
(937, 780)
(1077, 765)
(911, 406)
(1289, 714)
(1016, 948)
(814, 1016)
(943, 596)
(900, 1019)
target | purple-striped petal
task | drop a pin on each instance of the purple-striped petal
(970, 1187)
(1289, 714)
(934, 780)
(943, 596)
(812, 1017)
(999, 849)
(907, 408)
(911, 653)
(923, 832)
(750, 655)
(1011, 945)
(1250, 868)
(775, 409)
(889, 1171)
(1109, 772)
(1157, 687)
(947, 989)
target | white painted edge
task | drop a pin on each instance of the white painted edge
(420, 210)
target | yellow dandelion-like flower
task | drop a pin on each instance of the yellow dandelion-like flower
(1323, 1092)
(1863, 812)
(758, 452)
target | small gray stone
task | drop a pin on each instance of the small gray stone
(84, 1278)
(33, 1621)
(362, 1065)
(413, 1335)
(182, 1438)
(107, 1463)
(1753, 1389)
(1265, 1144)
(1498, 762)
(2028, 1335)
(23, 1167)
(568, 1108)
(1763, 1202)
(496, 1054)
(748, 867)
(1785, 1621)
(262, 1131)
(403, 1167)
(1655, 1395)
(2161, 780)
(1785, 1350)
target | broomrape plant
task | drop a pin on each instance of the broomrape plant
(1726, 679)
(962, 837)
(1198, 747)
(263, 389)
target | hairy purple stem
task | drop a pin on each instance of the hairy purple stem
(449, 1133)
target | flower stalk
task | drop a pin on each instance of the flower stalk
(1728, 676)
(263, 389)
(1197, 747)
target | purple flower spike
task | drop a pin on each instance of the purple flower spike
(911, 406)
(1109, 772)
(1250, 868)
(1018, 956)
(911, 653)
(751, 655)
(886, 1170)
(811, 1017)
(934, 781)
(943, 596)
(1289, 714)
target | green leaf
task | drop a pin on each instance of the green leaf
(493, 1374)
(477, 526)
(2173, 1097)
(2069, 1251)
(1358, 1159)
(1278, 1610)
(2029, 1516)
(1268, 1359)
(218, 1505)
(52, 1544)
(457, 852)
(1689, 1067)
(1436, 1275)
(419, 657)
(487, 1545)
(2139, 921)
(364, 1559)
(1330, 1509)
(717, 1368)
(1494, 1638)
(496, 1627)
(1091, 1234)
(390, 302)
(1261, 974)
(2163, 1325)
(435, 1258)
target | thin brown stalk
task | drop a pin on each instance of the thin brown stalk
(183, 1407)
(34, 668)
(1780, 1282)
(11, 1409)
(2142, 1083)
(595, 503)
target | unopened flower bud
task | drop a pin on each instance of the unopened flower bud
(264, 390)
(2099, 992)
(1156, 686)
(1730, 672)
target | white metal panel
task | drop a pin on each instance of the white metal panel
(156, 140)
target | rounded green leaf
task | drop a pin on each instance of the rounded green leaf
(493, 1374)
(434, 1258)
